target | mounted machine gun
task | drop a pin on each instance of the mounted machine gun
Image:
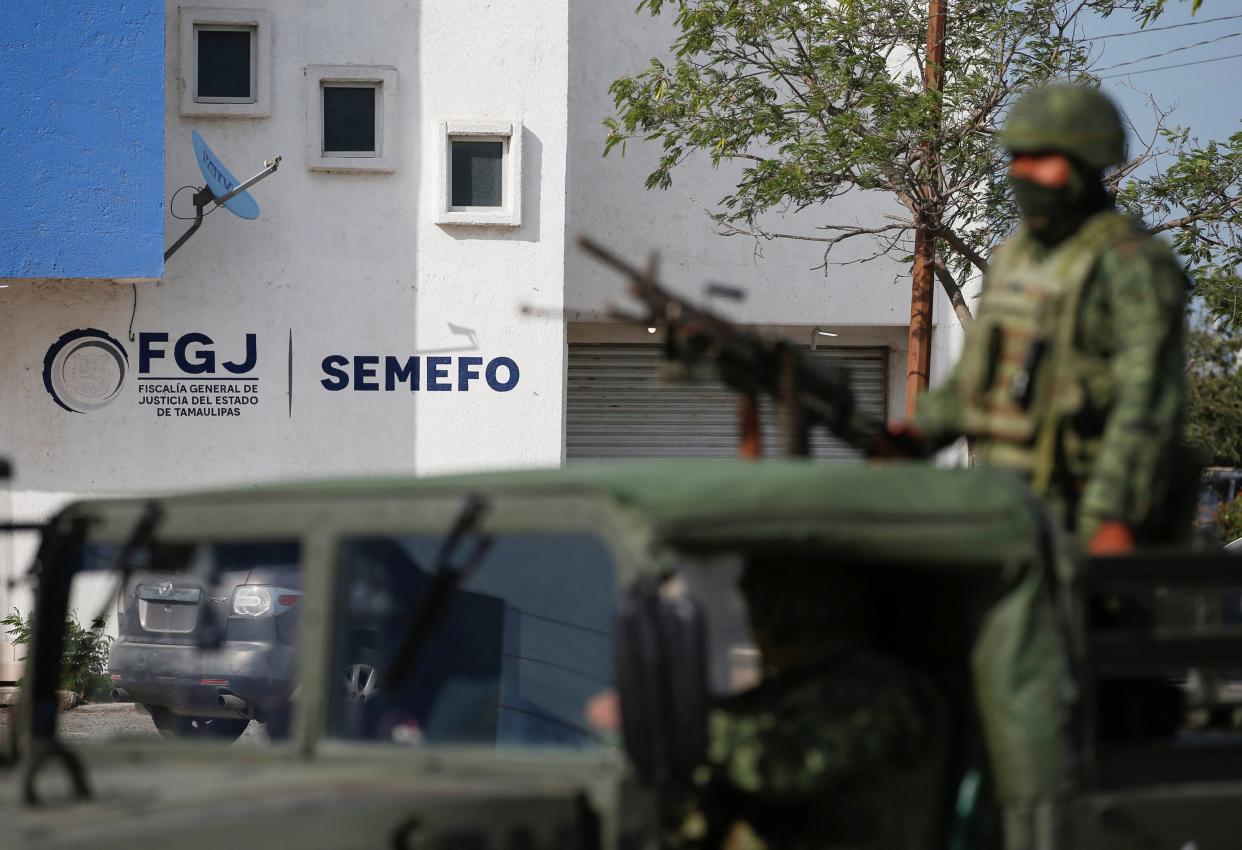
(807, 392)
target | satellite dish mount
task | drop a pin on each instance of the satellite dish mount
(222, 190)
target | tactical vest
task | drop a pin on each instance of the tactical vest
(1021, 375)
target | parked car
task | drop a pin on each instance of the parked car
(250, 609)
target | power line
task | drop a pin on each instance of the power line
(1168, 52)
(1161, 29)
(1170, 67)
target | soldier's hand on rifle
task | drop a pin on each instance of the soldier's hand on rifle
(1113, 537)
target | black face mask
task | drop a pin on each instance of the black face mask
(1041, 206)
(1052, 214)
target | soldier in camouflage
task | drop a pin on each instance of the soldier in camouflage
(1073, 372)
(813, 758)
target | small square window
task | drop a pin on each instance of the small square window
(481, 173)
(225, 64)
(349, 119)
(478, 176)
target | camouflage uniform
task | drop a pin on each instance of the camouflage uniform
(815, 756)
(1073, 372)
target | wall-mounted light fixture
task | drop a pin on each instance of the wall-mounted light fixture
(816, 333)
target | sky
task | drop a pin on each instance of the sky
(1206, 97)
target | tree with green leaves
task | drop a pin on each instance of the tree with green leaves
(1196, 199)
(816, 99)
(1214, 394)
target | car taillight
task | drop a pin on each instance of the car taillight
(252, 601)
(257, 600)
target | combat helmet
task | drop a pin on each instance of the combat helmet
(1072, 119)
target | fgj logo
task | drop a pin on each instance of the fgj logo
(179, 378)
(84, 370)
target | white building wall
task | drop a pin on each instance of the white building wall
(88, 596)
(346, 264)
(354, 264)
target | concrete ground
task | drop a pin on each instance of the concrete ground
(101, 721)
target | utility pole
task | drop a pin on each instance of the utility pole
(919, 363)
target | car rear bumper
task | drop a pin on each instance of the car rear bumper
(190, 681)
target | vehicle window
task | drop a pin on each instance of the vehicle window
(1146, 691)
(522, 647)
(196, 641)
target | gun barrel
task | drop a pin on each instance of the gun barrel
(608, 258)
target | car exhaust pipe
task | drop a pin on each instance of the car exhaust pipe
(235, 703)
(121, 695)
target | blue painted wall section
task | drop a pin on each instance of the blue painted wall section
(82, 139)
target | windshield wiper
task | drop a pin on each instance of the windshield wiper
(140, 535)
(56, 564)
(447, 576)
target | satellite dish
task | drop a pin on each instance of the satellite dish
(222, 189)
(221, 181)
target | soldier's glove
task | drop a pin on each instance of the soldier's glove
(1113, 537)
(899, 441)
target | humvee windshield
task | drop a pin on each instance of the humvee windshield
(520, 650)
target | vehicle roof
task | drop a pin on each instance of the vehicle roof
(902, 511)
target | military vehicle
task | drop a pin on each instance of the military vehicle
(455, 634)
(555, 659)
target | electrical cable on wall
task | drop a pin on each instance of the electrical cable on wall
(173, 212)
(133, 311)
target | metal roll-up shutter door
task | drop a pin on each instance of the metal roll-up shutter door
(618, 406)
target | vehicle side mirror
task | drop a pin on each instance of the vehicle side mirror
(661, 659)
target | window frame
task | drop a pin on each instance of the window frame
(199, 28)
(504, 142)
(381, 78)
(259, 22)
(377, 90)
(525, 512)
(509, 213)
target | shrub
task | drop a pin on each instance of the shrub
(84, 664)
(1229, 521)
(1214, 394)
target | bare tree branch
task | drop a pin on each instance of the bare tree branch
(960, 246)
(1214, 212)
(954, 290)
